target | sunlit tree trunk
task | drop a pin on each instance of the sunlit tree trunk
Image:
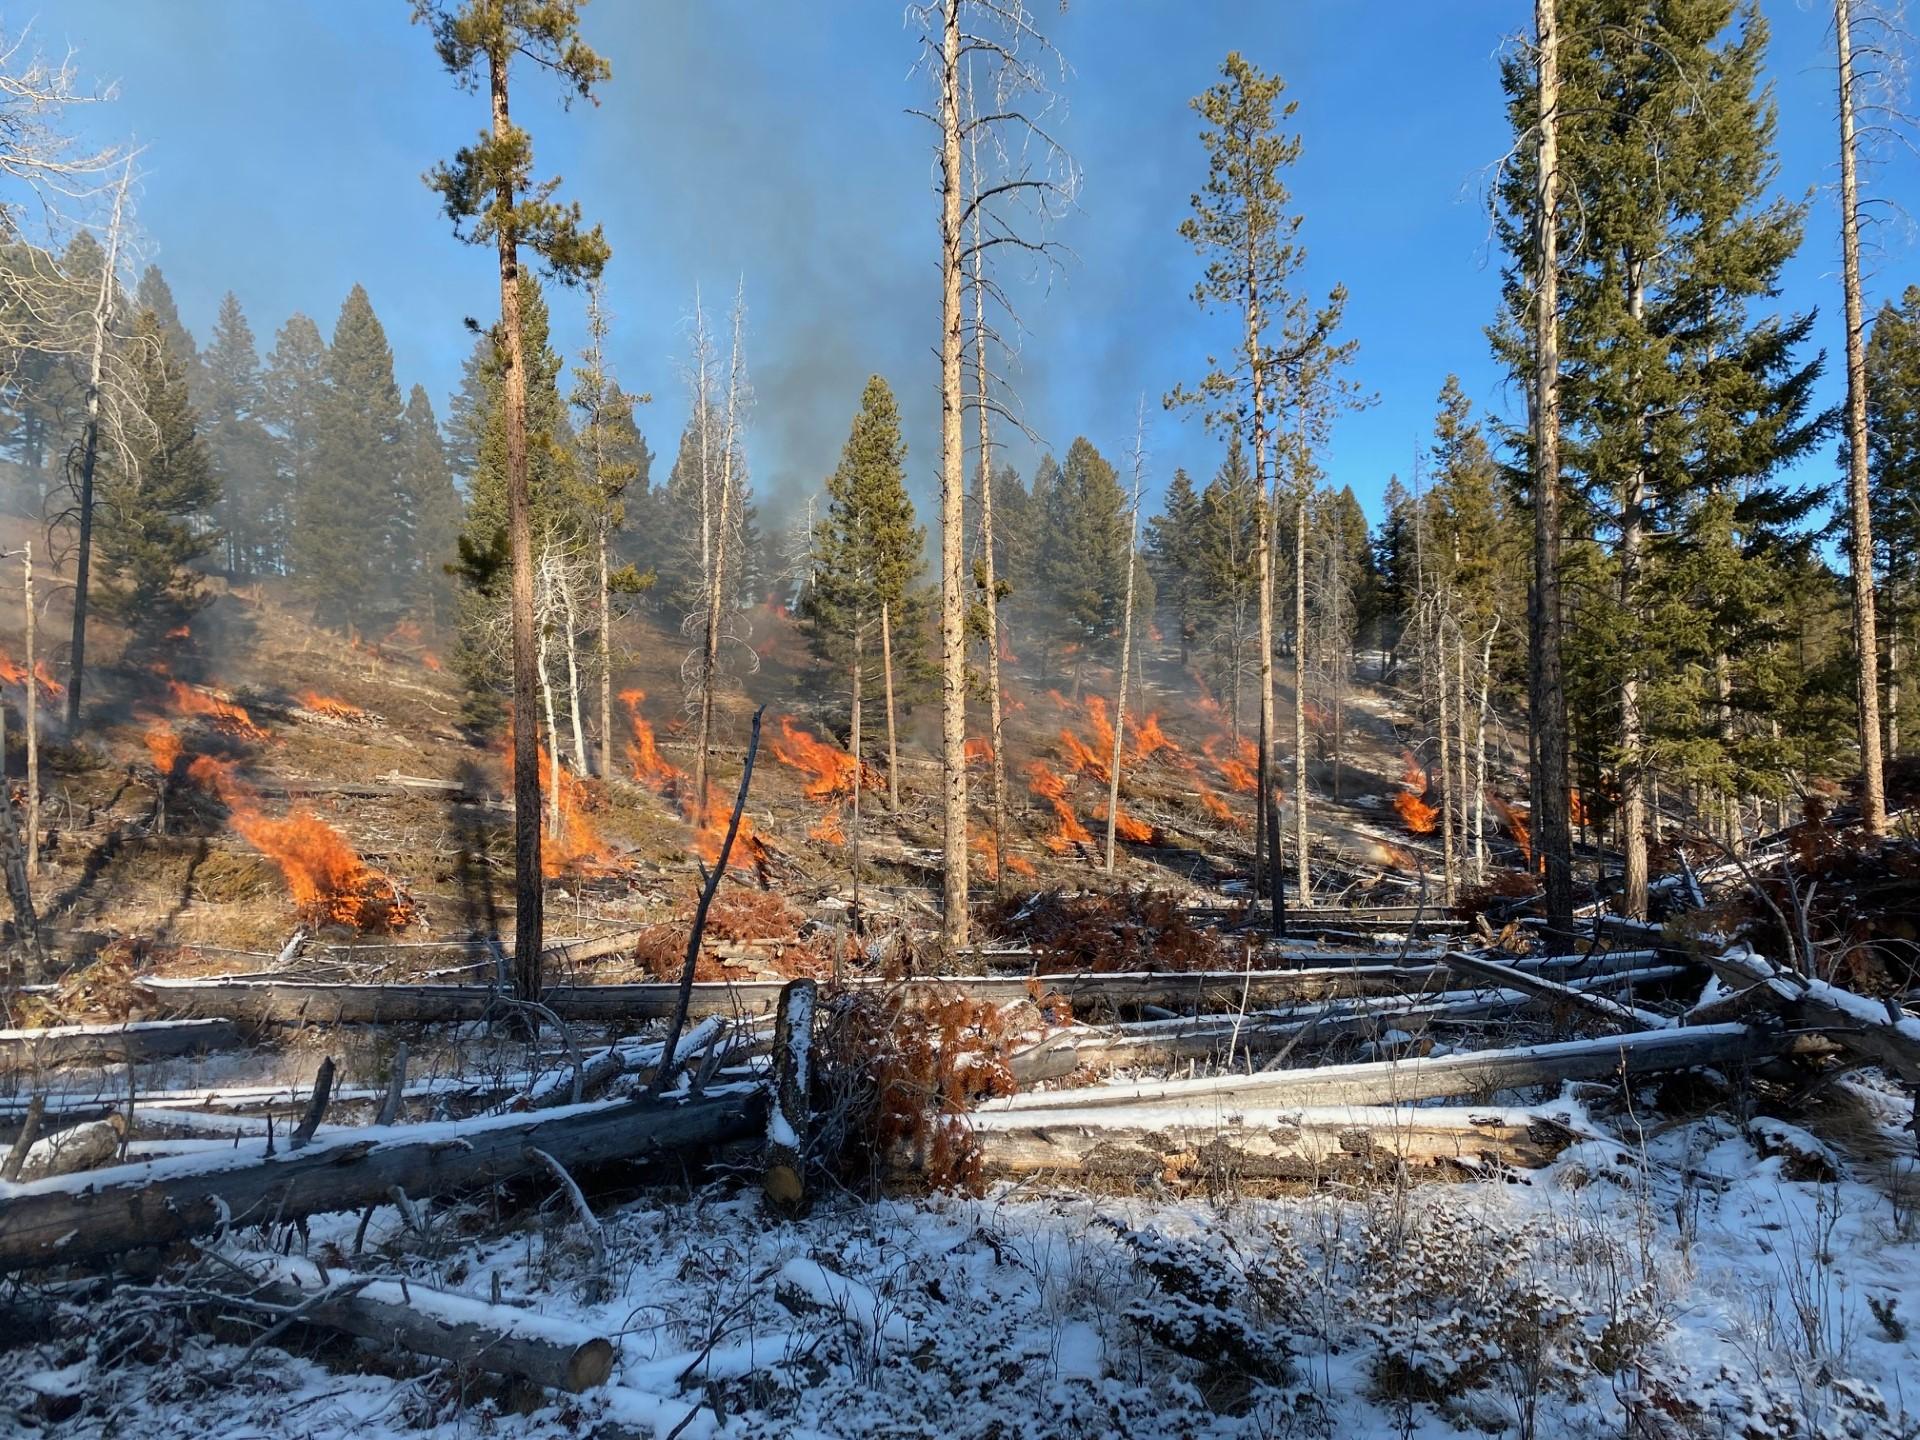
(953, 654)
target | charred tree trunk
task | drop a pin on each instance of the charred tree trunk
(1873, 794)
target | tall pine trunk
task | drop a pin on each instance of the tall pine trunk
(1449, 859)
(991, 597)
(1547, 718)
(1126, 658)
(1263, 568)
(886, 679)
(606, 661)
(1633, 807)
(1302, 883)
(953, 640)
(528, 893)
(1873, 793)
(853, 743)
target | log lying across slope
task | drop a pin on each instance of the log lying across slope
(112, 1044)
(1874, 1030)
(293, 1001)
(101, 1212)
(1195, 1143)
(1434, 1077)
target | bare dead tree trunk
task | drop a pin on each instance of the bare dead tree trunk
(1302, 882)
(546, 695)
(1448, 857)
(1462, 723)
(605, 657)
(853, 840)
(1480, 756)
(1263, 568)
(1553, 839)
(33, 726)
(528, 890)
(953, 654)
(1633, 808)
(1873, 792)
(717, 571)
(886, 681)
(571, 611)
(996, 736)
(1126, 636)
(90, 455)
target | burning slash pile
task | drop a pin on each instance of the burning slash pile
(1121, 932)
(1420, 817)
(14, 673)
(334, 709)
(739, 918)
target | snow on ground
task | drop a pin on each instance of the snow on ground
(1681, 1286)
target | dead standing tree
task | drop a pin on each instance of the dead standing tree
(492, 198)
(1031, 177)
(1126, 632)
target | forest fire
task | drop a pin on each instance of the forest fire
(668, 780)
(14, 673)
(1126, 827)
(327, 705)
(1081, 756)
(710, 833)
(643, 753)
(828, 831)
(1050, 787)
(1419, 817)
(331, 884)
(832, 769)
(163, 746)
(1241, 770)
(222, 715)
(979, 750)
(1150, 740)
(1101, 726)
(1515, 818)
(570, 844)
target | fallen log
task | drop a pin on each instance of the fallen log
(278, 1000)
(112, 1044)
(1478, 1072)
(1198, 1144)
(499, 1339)
(69, 1151)
(1543, 987)
(83, 1217)
(1877, 1031)
(1061, 1054)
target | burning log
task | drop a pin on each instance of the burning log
(75, 1219)
(329, 708)
(1068, 831)
(1482, 1072)
(1419, 817)
(1197, 1145)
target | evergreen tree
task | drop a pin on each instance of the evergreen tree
(1172, 539)
(293, 388)
(239, 442)
(345, 530)
(1893, 431)
(155, 491)
(1083, 554)
(1226, 560)
(429, 512)
(155, 295)
(868, 552)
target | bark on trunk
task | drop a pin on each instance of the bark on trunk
(1873, 795)
(1633, 808)
(1302, 882)
(528, 890)
(886, 682)
(953, 652)
(606, 661)
(1552, 837)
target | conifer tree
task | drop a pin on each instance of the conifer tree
(1226, 561)
(1172, 538)
(342, 548)
(1893, 438)
(155, 295)
(429, 512)
(238, 440)
(156, 489)
(293, 388)
(868, 556)
(1083, 556)
(490, 186)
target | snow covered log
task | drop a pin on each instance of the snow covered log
(1878, 1031)
(1198, 1143)
(1479, 1072)
(83, 1217)
(1553, 992)
(1203, 1037)
(790, 1117)
(281, 1000)
(112, 1044)
(80, 1147)
(469, 1331)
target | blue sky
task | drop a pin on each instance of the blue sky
(770, 142)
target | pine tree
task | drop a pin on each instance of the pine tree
(1172, 536)
(429, 513)
(1226, 562)
(1083, 556)
(344, 536)
(293, 388)
(155, 295)
(156, 489)
(868, 558)
(1893, 437)
(241, 447)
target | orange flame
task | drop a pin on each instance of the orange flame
(979, 750)
(1059, 699)
(330, 882)
(643, 753)
(163, 745)
(833, 769)
(828, 831)
(572, 845)
(180, 632)
(1149, 739)
(1053, 789)
(1241, 770)
(710, 833)
(327, 705)
(1576, 807)
(430, 660)
(1126, 827)
(14, 673)
(1420, 817)
(1102, 727)
(1081, 757)
(1515, 818)
(223, 715)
